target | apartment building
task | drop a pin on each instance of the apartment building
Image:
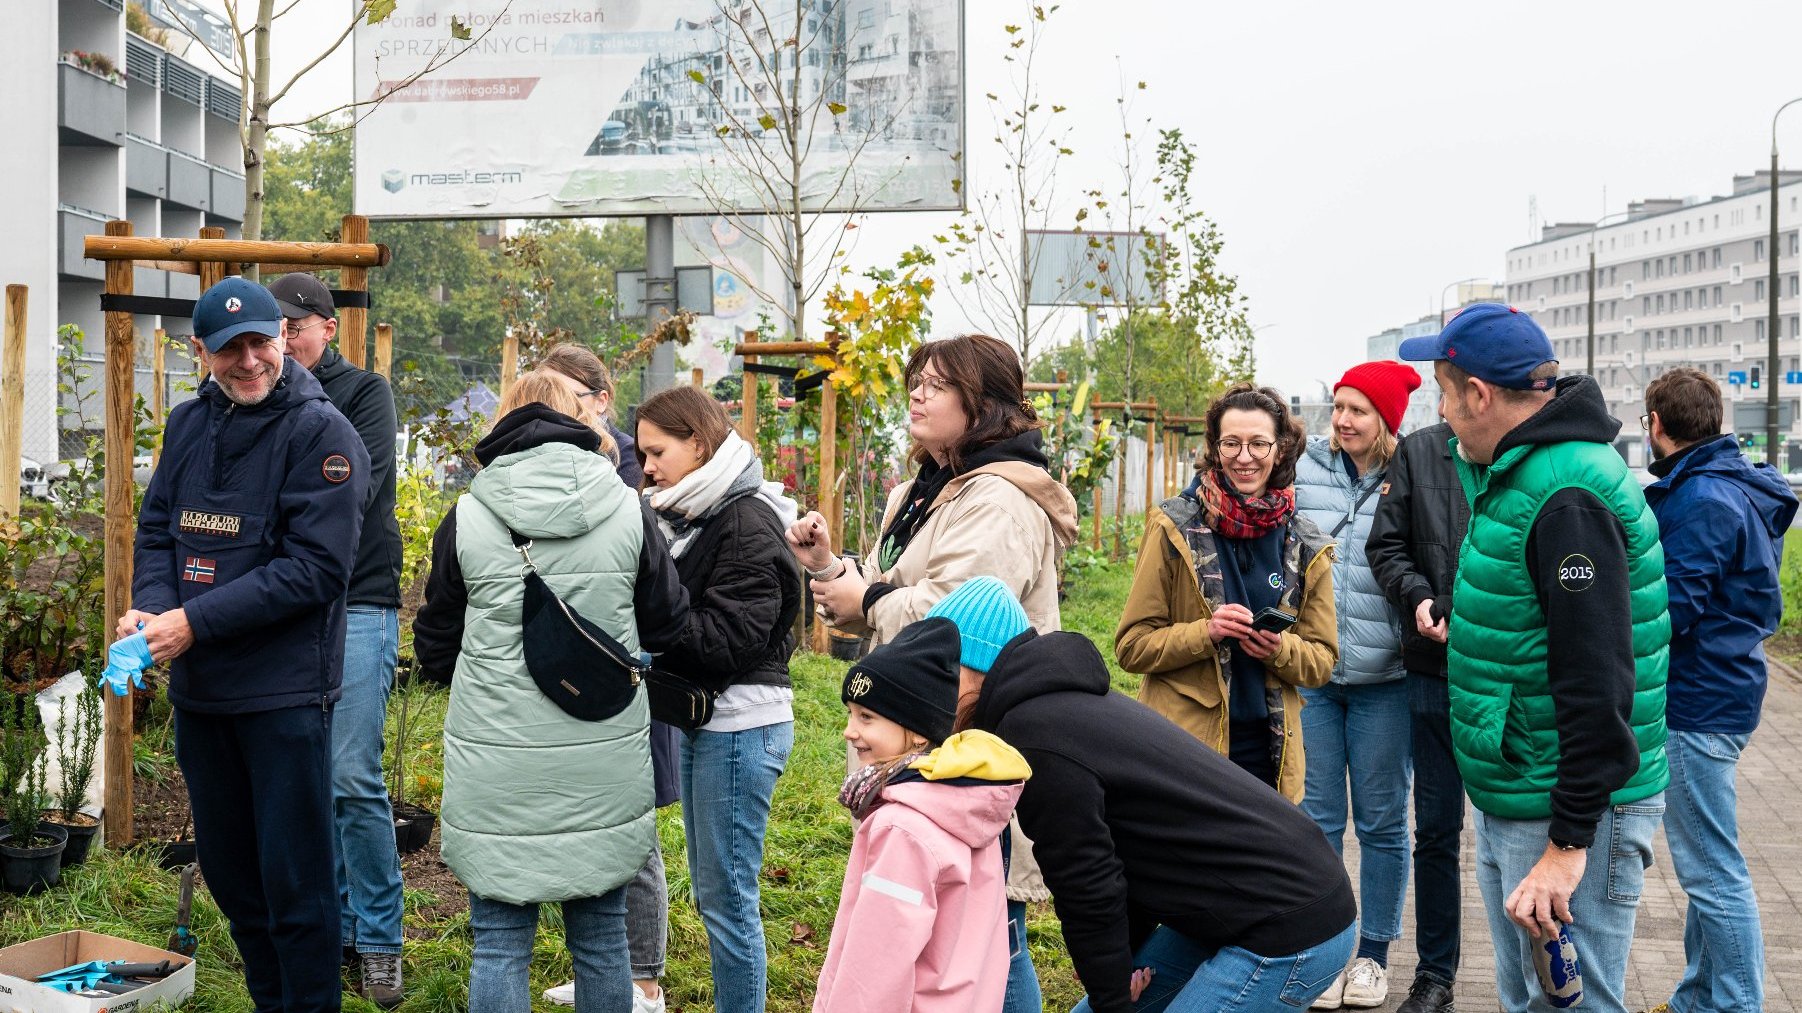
(1677, 283)
(103, 123)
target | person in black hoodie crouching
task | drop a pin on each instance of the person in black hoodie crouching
(1183, 883)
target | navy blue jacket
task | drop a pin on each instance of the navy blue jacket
(1721, 519)
(250, 524)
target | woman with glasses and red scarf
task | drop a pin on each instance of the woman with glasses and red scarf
(1231, 609)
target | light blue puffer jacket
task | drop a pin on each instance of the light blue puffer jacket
(1370, 637)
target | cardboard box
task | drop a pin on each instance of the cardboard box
(21, 963)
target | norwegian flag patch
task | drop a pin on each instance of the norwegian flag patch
(198, 570)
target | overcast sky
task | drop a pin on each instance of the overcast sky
(1360, 157)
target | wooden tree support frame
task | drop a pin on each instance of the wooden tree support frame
(212, 257)
(830, 497)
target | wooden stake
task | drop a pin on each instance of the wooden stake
(119, 441)
(353, 321)
(747, 398)
(158, 351)
(698, 376)
(1151, 463)
(828, 488)
(509, 363)
(384, 350)
(212, 272)
(12, 400)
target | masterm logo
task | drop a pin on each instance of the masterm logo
(463, 177)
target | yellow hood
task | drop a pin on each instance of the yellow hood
(973, 754)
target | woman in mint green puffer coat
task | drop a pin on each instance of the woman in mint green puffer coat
(540, 806)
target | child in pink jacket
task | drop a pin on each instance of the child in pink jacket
(922, 917)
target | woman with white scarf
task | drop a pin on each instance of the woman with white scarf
(726, 526)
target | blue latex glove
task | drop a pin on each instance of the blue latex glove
(126, 661)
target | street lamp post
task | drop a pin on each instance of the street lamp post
(1590, 365)
(1448, 288)
(1772, 378)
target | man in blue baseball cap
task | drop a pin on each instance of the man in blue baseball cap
(244, 548)
(1557, 651)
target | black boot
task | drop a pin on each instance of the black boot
(1427, 996)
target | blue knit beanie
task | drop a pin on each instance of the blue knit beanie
(987, 616)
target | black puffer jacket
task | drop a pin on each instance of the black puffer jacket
(1413, 546)
(744, 589)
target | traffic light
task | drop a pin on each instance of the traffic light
(1754, 377)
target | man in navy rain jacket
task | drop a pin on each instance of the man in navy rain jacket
(1721, 519)
(244, 549)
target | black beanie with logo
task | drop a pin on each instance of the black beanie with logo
(912, 679)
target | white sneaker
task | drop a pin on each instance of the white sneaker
(642, 1005)
(1334, 996)
(1366, 984)
(565, 995)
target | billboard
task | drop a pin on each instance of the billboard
(1090, 268)
(634, 107)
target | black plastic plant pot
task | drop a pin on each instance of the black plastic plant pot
(846, 647)
(412, 827)
(177, 855)
(82, 830)
(34, 864)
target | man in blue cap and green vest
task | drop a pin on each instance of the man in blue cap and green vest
(1557, 653)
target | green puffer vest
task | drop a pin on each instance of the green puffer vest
(1504, 725)
(539, 806)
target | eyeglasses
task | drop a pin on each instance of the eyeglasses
(598, 392)
(929, 387)
(1645, 422)
(321, 322)
(1260, 449)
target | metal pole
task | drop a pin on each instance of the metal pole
(1590, 363)
(1773, 380)
(660, 296)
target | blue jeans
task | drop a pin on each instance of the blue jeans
(728, 779)
(1438, 823)
(594, 928)
(1363, 731)
(369, 889)
(1603, 907)
(1721, 936)
(1023, 995)
(1189, 978)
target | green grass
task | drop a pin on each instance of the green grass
(810, 834)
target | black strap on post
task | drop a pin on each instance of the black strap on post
(786, 372)
(806, 385)
(346, 299)
(147, 304)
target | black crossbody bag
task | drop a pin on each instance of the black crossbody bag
(585, 671)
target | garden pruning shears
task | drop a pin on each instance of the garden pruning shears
(183, 940)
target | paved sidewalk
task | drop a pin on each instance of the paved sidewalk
(1770, 822)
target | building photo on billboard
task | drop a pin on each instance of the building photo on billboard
(617, 108)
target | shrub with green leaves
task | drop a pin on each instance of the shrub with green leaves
(76, 749)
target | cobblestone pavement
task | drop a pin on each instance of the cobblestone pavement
(1770, 823)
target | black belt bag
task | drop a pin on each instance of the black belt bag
(584, 671)
(679, 701)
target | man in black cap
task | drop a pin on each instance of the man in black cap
(369, 882)
(243, 553)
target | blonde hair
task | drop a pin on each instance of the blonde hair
(540, 386)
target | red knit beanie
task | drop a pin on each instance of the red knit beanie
(1387, 385)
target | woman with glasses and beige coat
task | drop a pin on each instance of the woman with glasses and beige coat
(1230, 547)
(983, 502)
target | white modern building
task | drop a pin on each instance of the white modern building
(102, 123)
(1678, 283)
